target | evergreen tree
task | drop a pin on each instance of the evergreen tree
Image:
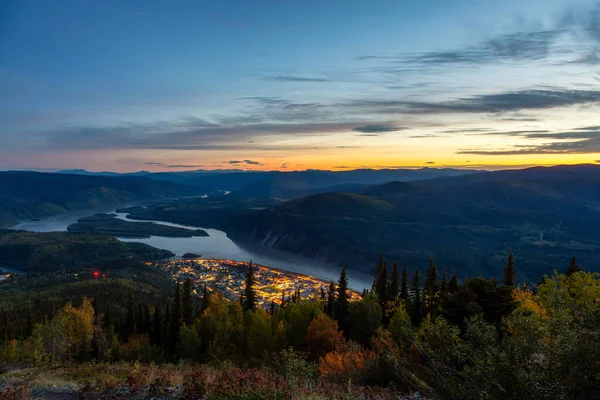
(272, 307)
(404, 287)
(249, 293)
(431, 288)
(453, 284)
(283, 301)
(394, 290)
(443, 287)
(147, 320)
(166, 323)
(509, 271)
(341, 303)
(139, 319)
(188, 303)
(176, 320)
(130, 319)
(107, 317)
(572, 268)
(380, 284)
(158, 325)
(205, 299)
(416, 301)
(330, 304)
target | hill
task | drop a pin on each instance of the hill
(467, 223)
(28, 195)
(31, 251)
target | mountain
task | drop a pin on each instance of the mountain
(467, 223)
(27, 195)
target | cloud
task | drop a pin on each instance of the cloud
(286, 78)
(247, 162)
(430, 162)
(378, 128)
(341, 167)
(568, 142)
(532, 99)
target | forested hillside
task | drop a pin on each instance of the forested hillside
(427, 332)
(27, 195)
(466, 223)
(55, 251)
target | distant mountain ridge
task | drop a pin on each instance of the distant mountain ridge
(27, 195)
(468, 223)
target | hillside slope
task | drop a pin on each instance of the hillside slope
(28, 195)
(466, 223)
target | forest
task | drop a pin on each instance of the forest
(427, 333)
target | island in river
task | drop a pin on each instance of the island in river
(111, 225)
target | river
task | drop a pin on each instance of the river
(216, 245)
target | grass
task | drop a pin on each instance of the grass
(130, 380)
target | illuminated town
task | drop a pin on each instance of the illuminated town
(227, 277)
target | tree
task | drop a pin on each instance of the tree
(453, 284)
(572, 268)
(205, 299)
(431, 288)
(404, 296)
(157, 325)
(188, 303)
(341, 303)
(323, 336)
(394, 291)
(380, 284)
(330, 304)
(176, 321)
(401, 329)
(364, 318)
(249, 293)
(509, 271)
(130, 319)
(416, 301)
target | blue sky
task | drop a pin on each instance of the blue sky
(130, 85)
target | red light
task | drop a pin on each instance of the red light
(96, 274)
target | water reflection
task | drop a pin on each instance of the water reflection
(216, 245)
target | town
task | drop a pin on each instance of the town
(227, 277)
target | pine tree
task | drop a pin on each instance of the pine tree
(404, 286)
(249, 293)
(107, 317)
(158, 325)
(166, 323)
(341, 304)
(205, 299)
(188, 303)
(509, 271)
(453, 284)
(572, 268)
(130, 319)
(394, 290)
(431, 288)
(330, 304)
(148, 320)
(176, 320)
(416, 301)
(283, 301)
(139, 319)
(380, 284)
(272, 307)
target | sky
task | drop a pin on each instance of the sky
(159, 85)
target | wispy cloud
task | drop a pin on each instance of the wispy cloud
(287, 78)
(569, 142)
(378, 128)
(247, 162)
